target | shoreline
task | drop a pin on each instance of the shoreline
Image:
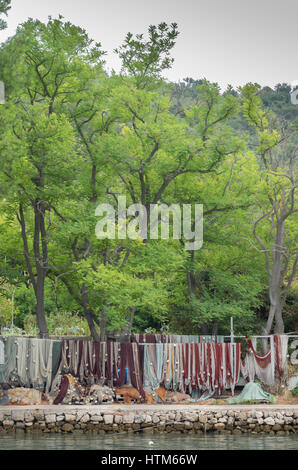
(272, 419)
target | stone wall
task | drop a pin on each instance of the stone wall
(104, 419)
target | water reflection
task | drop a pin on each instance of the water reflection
(171, 441)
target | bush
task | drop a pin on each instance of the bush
(6, 308)
(59, 323)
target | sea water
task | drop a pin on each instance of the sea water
(138, 441)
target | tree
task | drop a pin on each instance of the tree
(38, 142)
(4, 7)
(97, 119)
(146, 59)
(275, 205)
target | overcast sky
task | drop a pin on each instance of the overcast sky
(225, 41)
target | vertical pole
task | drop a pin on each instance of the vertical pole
(232, 331)
(12, 308)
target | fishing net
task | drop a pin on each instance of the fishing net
(251, 393)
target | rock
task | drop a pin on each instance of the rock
(50, 418)
(171, 416)
(288, 419)
(155, 419)
(85, 418)
(118, 419)
(69, 417)
(128, 419)
(188, 425)
(222, 420)
(242, 416)
(108, 419)
(7, 423)
(192, 417)
(269, 421)
(97, 418)
(79, 414)
(276, 427)
(219, 426)
(29, 416)
(148, 429)
(39, 415)
(139, 419)
(67, 427)
(18, 415)
(279, 421)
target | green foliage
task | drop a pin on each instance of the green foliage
(59, 323)
(4, 7)
(72, 137)
(5, 311)
(142, 59)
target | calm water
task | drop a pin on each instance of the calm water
(138, 441)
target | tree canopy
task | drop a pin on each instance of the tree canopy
(73, 137)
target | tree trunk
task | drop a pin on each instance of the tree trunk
(40, 309)
(103, 326)
(275, 315)
(205, 329)
(40, 259)
(279, 323)
(215, 329)
(93, 331)
(128, 328)
(89, 314)
(41, 263)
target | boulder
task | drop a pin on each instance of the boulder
(108, 418)
(269, 421)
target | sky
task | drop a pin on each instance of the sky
(225, 41)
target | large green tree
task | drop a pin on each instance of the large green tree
(42, 63)
(274, 221)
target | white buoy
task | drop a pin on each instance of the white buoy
(151, 443)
